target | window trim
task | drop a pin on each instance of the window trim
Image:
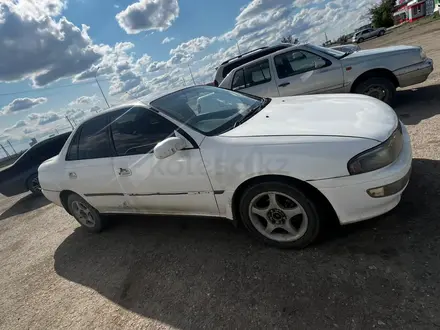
(327, 62)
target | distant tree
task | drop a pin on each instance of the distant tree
(290, 40)
(382, 14)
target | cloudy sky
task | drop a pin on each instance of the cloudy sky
(51, 50)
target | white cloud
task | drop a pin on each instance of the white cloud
(167, 40)
(18, 124)
(84, 100)
(36, 46)
(48, 117)
(146, 15)
(116, 6)
(23, 104)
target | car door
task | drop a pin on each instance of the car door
(369, 33)
(256, 79)
(301, 71)
(89, 170)
(177, 184)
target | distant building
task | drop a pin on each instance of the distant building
(412, 10)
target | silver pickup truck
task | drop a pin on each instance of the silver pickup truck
(311, 69)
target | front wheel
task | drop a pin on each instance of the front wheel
(88, 217)
(378, 87)
(279, 215)
(33, 185)
(360, 40)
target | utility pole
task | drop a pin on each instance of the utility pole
(70, 122)
(326, 39)
(238, 47)
(6, 153)
(192, 77)
(15, 152)
(96, 79)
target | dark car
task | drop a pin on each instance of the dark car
(22, 176)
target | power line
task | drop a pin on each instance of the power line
(51, 88)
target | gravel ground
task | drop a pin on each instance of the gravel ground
(202, 273)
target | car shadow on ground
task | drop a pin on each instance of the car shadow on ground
(203, 273)
(26, 204)
(417, 104)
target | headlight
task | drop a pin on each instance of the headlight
(422, 54)
(378, 157)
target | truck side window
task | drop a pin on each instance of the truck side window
(258, 73)
(238, 80)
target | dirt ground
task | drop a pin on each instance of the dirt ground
(185, 273)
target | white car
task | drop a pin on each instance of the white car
(277, 165)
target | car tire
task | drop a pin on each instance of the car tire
(33, 185)
(381, 33)
(87, 216)
(279, 215)
(378, 87)
(360, 40)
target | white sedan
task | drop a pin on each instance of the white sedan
(276, 165)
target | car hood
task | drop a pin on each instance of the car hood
(382, 51)
(321, 115)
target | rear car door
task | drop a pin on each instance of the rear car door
(177, 184)
(256, 79)
(89, 169)
(301, 71)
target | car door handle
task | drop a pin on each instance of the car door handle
(72, 175)
(124, 172)
(284, 84)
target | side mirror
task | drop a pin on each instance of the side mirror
(319, 63)
(168, 147)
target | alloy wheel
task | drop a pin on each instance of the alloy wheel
(278, 216)
(83, 214)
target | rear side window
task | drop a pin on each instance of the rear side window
(238, 80)
(72, 152)
(93, 139)
(137, 131)
(257, 74)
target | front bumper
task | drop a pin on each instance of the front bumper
(349, 195)
(414, 74)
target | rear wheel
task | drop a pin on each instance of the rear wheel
(88, 217)
(279, 215)
(380, 88)
(34, 185)
(381, 33)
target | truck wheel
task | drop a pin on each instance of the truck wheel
(34, 185)
(88, 217)
(380, 88)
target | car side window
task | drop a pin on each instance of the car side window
(238, 80)
(72, 152)
(296, 62)
(137, 130)
(257, 74)
(93, 139)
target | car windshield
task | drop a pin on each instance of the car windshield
(209, 110)
(329, 51)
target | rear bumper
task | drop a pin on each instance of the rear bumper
(53, 196)
(13, 187)
(414, 74)
(349, 195)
